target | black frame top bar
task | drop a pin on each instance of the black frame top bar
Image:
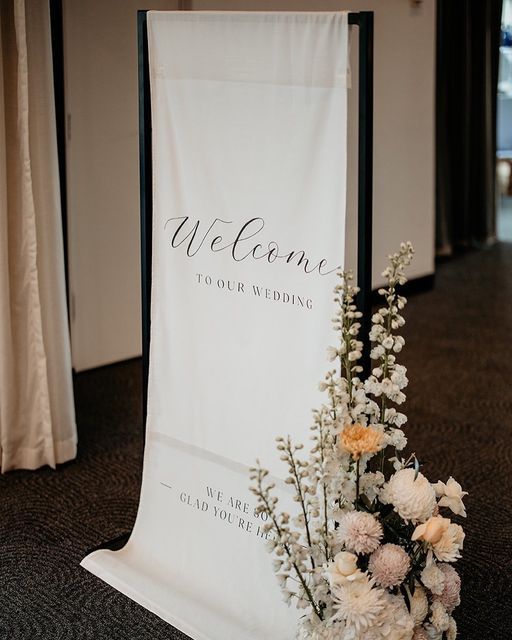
(363, 20)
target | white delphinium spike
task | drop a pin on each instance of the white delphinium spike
(388, 379)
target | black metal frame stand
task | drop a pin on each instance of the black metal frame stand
(364, 21)
(146, 199)
(57, 38)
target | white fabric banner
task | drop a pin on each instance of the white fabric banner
(249, 183)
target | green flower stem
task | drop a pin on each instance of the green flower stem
(357, 485)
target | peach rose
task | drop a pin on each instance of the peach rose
(446, 537)
(432, 530)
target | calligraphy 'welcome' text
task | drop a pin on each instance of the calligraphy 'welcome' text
(194, 238)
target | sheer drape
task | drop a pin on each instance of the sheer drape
(37, 419)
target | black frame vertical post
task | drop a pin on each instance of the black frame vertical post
(57, 39)
(146, 198)
(363, 20)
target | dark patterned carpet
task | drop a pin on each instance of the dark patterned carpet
(459, 357)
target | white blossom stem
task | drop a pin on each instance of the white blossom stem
(300, 494)
(271, 513)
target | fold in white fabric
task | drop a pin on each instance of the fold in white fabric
(37, 414)
(249, 161)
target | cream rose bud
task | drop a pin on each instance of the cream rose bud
(344, 568)
(431, 531)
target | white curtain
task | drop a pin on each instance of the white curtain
(249, 179)
(37, 416)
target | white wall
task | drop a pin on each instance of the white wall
(100, 57)
(404, 188)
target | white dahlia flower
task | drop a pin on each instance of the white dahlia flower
(358, 604)
(359, 532)
(433, 578)
(389, 565)
(395, 622)
(450, 598)
(411, 494)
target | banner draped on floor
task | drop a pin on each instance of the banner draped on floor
(249, 183)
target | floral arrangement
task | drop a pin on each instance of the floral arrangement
(369, 553)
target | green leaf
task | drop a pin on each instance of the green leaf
(416, 467)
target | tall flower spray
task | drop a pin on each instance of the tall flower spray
(368, 553)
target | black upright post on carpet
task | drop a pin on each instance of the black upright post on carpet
(364, 21)
(146, 198)
(57, 39)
